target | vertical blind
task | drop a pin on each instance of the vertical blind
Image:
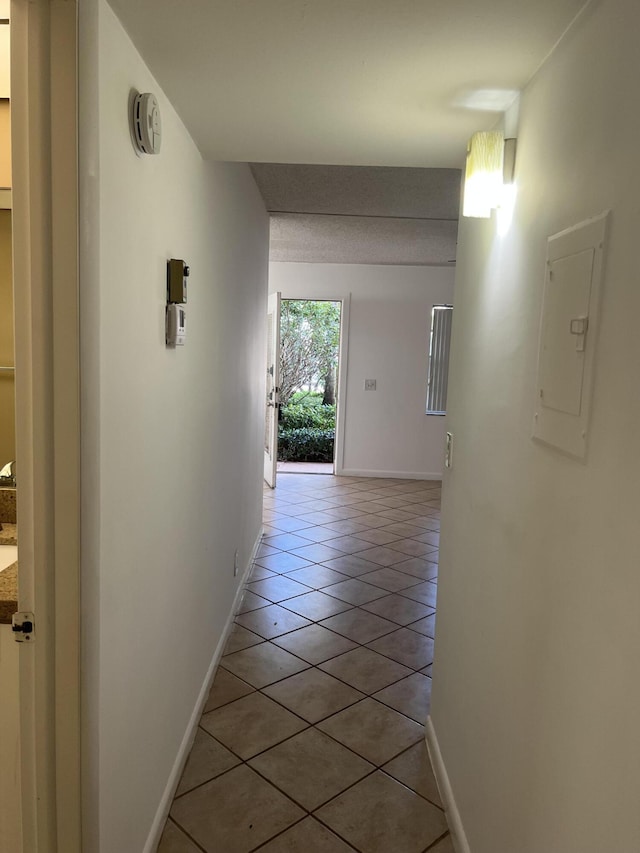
(439, 359)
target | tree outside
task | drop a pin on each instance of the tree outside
(309, 343)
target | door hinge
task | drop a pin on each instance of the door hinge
(23, 626)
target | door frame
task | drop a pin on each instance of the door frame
(45, 237)
(343, 356)
(272, 391)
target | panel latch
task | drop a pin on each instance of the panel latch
(23, 627)
(578, 326)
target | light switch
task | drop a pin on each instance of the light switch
(369, 384)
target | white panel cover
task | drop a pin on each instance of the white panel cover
(568, 336)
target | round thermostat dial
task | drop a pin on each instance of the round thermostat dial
(147, 130)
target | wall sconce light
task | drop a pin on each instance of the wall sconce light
(484, 174)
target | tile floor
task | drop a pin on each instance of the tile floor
(312, 738)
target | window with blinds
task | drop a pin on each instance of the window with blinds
(440, 341)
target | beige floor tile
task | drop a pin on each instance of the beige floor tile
(251, 601)
(226, 688)
(175, 841)
(429, 536)
(316, 552)
(413, 769)
(355, 591)
(317, 533)
(389, 579)
(425, 626)
(411, 547)
(265, 550)
(251, 724)
(308, 836)
(351, 564)
(405, 646)
(411, 696)
(260, 574)
(426, 522)
(383, 556)
(313, 694)
(315, 644)
(263, 664)
(316, 577)
(289, 524)
(346, 527)
(398, 609)
(321, 517)
(240, 638)
(207, 759)
(344, 513)
(426, 592)
(422, 568)
(404, 515)
(404, 529)
(316, 605)
(235, 813)
(391, 502)
(271, 621)
(359, 625)
(285, 541)
(365, 670)
(277, 588)
(311, 768)
(379, 814)
(348, 544)
(373, 730)
(378, 536)
(281, 562)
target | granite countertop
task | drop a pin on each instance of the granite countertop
(8, 593)
(8, 534)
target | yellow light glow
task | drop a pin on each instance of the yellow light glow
(483, 176)
(506, 209)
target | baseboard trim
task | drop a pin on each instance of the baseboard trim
(396, 475)
(458, 835)
(160, 819)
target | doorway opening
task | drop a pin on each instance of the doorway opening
(309, 363)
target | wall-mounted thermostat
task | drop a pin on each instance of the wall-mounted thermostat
(145, 121)
(177, 275)
(176, 325)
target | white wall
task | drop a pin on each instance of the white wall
(387, 432)
(172, 454)
(536, 695)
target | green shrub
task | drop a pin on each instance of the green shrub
(305, 445)
(310, 415)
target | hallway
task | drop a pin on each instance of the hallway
(312, 738)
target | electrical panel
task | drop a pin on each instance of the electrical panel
(568, 327)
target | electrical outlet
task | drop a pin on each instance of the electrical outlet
(369, 384)
(235, 564)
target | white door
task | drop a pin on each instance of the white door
(44, 130)
(273, 390)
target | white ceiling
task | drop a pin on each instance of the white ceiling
(353, 82)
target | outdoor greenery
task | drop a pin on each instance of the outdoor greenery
(309, 339)
(306, 431)
(306, 445)
(307, 410)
